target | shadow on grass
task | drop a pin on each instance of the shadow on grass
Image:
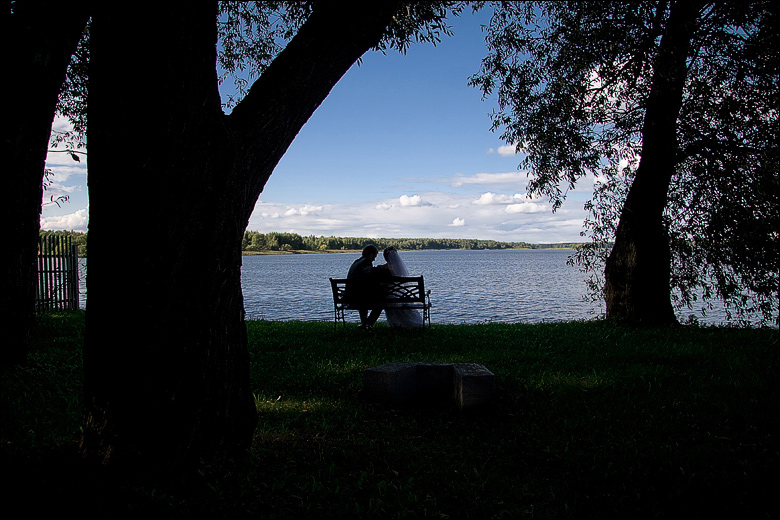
(590, 420)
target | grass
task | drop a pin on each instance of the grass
(590, 420)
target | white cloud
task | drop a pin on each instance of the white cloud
(302, 210)
(525, 207)
(305, 210)
(494, 198)
(488, 198)
(429, 214)
(61, 124)
(518, 199)
(507, 150)
(517, 178)
(73, 222)
(414, 200)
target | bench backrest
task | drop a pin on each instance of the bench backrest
(400, 289)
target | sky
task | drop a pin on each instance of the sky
(401, 148)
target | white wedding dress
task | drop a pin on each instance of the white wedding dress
(400, 318)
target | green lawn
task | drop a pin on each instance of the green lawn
(590, 420)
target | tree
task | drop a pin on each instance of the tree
(637, 270)
(673, 107)
(38, 41)
(172, 386)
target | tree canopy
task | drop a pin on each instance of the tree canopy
(250, 36)
(573, 80)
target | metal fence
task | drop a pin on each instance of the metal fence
(58, 274)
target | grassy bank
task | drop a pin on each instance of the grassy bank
(591, 420)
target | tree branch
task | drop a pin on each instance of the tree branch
(280, 102)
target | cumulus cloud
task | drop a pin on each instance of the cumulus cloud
(73, 222)
(302, 211)
(506, 150)
(517, 203)
(414, 200)
(501, 215)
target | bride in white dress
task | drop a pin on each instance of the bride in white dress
(403, 318)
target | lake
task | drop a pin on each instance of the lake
(513, 286)
(466, 286)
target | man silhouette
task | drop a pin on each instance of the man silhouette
(365, 289)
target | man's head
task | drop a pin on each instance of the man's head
(370, 251)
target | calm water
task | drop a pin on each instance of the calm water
(466, 286)
(512, 286)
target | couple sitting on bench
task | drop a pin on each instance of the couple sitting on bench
(367, 290)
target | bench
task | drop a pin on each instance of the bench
(401, 292)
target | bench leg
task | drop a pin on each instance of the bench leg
(338, 314)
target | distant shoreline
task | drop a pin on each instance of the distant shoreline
(255, 243)
(358, 251)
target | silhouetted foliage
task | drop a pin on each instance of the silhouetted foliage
(574, 81)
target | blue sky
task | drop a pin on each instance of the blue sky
(401, 147)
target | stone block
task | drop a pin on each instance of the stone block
(393, 383)
(434, 384)
(467, 385)
(474, 385)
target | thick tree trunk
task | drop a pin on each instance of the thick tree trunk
(638, 268)
(166, 364)
(166, 359)
(38, 41)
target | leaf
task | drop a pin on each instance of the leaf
(74, 157)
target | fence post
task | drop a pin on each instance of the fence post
(73, 277)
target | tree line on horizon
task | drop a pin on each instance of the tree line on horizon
(255, 241)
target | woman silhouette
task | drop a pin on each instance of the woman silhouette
(399, 317)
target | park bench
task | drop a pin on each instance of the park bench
(404, 292)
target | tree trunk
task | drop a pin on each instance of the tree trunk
(38, 41)
(638, 268)
(166, 359)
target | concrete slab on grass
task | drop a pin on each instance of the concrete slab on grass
(467, 385)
